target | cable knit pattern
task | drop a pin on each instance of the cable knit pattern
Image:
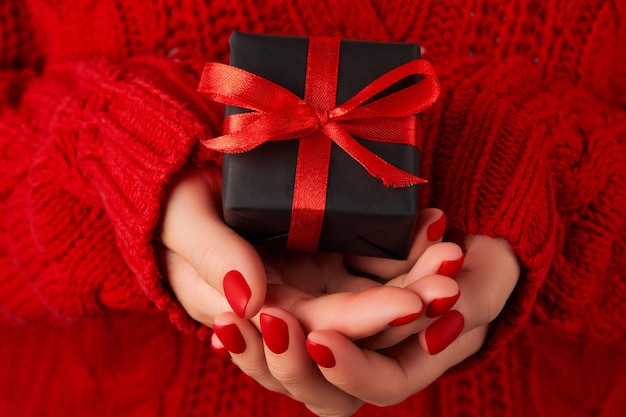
(98, 111)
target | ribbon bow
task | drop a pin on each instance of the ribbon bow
(279, 114)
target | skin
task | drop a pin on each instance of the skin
(344, 303)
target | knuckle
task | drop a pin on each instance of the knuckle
(207, 258)
(469, 343)
(256, 371)
(201, 316)
(476, 339)
(387, 400)
(391, 394)
(199, 312)
(337, 411)
(294, 381)
(264, 378)
(481, 309)
(492, 305)
(198, 316)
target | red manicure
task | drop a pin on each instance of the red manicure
(320, 354)
(435, 230)
(275, 333)
(443, 331)
(451, 268)
(231, 337)
(221, 351)
(438, 306)
(401, 321)
(237, 292)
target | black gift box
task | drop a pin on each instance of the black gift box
(362, 217)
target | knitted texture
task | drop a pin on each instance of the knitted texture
(98, 111)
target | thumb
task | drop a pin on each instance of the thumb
(193, 228)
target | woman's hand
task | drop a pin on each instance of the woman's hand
(314, 293)
(486, 280)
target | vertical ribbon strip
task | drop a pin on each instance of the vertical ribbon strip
(311, 180)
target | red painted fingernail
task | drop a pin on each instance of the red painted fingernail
(443, 331)
(451, 268)
(221, 351)
(237, 292)
(231, 337)
(438, 306)
(435, 230)
(320, 354)
(275, 333)
(401, 321)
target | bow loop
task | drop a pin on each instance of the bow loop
(405, 102)
(237, 87)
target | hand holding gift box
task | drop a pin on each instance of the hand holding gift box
(348, 184)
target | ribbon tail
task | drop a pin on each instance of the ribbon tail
(390, 175)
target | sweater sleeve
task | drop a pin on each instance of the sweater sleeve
(539, 164)
(87, 150)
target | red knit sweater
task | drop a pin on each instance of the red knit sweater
(98, 110)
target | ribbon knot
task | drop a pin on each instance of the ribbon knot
(323, 117)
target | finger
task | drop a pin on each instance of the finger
(487, 279)
(193, 228)
(356, 315)
(399, 373)
(432, 278)
(201, 301)
(443, 258)
(290, 364)
(438, 293)
(430, 228)
(245, 346)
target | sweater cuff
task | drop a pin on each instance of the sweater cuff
(148, 129)
(106, 140)
(487, 158)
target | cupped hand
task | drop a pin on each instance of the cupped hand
(212, 270)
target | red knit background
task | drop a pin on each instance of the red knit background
(98, 110)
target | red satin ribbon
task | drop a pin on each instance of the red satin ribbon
(279, 114)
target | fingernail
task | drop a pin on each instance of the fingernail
(320, 354)
(444, 331)
(221, 351)
(231, 337)
(438, 306)
(451, 268)
(401, 321)
(237, 292)
(435, 230)
(275, 333)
